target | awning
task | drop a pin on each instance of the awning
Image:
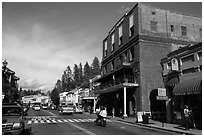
(189, 87)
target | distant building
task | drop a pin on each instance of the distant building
(182, 74)
(132, 51)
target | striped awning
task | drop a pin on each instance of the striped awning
(188, 87)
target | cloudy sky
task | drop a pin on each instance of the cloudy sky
(39, 40)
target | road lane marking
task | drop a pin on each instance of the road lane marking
(83, 129)
(76, 120)
(70, 120)
(81, 120)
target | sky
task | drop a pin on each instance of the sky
(40, 39)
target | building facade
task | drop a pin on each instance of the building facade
(182, 74)
(132, 51)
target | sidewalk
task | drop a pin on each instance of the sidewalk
(158, 125)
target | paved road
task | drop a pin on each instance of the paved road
(49, 122)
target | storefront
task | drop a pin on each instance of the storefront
(188, 92)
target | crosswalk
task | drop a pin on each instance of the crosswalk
(42, 120)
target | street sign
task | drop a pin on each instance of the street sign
(161, 91)
(162, 98)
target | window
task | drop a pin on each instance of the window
(112, 42)
(199, 55)
(120, 34)
(125, 57)
(200, 32)
(153, 26)
(120, 59)
(105, 49)
(172, 28)
(183, 31)
(112, 65)
(131, 25)
(190, 70)
(187, 59)
(132, 56)
(105, 69)
(168, 66)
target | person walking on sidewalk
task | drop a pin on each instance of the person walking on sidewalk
(187, 117)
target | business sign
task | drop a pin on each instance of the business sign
(161, 91)
(162, 98)
(139, 116)
(174, 64)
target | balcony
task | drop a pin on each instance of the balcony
(191, 64)
(117, 83)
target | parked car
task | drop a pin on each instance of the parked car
(66, 109)
(44, 106)
(78, 110)
(36, 107)
(13, 120)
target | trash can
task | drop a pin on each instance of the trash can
(145, 119)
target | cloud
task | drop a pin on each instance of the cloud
(123, 9)
(30, 84)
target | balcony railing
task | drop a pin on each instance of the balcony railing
(118, 81)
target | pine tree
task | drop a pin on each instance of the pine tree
(87, 75)
(96, 70)
(76, 75)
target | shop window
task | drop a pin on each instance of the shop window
(187, 59)
(153, 26)
(105, 49)
(131, 26)
(183, 31)
(112, 42)
(120, 35)
(172, 28)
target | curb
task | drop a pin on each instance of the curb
(149, 126)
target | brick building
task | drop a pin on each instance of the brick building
(132, 51)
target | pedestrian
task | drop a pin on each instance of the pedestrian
(187, 117)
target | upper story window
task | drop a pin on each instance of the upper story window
(105, 69)
(153, 25)
(112, 42)
(183, 31)
(132, 56)
(200, 32)
(168, 66)
(199, 55)
(187, 59)
(131, 25)
(112, 65)
(120, 34)
(125, 57)
(105, 49)
(172, 28)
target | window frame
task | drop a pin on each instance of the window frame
(183, 30)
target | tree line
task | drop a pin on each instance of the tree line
(78, 77)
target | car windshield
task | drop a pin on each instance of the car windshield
(11, 111)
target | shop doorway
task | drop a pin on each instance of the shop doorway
(157, 107)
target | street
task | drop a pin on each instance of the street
(49, 122)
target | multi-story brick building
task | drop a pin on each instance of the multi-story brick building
(182, 73)
(132, 51)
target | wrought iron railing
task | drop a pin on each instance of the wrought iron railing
(118, 81)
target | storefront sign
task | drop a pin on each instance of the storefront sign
(139, 116)
(161, 92)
